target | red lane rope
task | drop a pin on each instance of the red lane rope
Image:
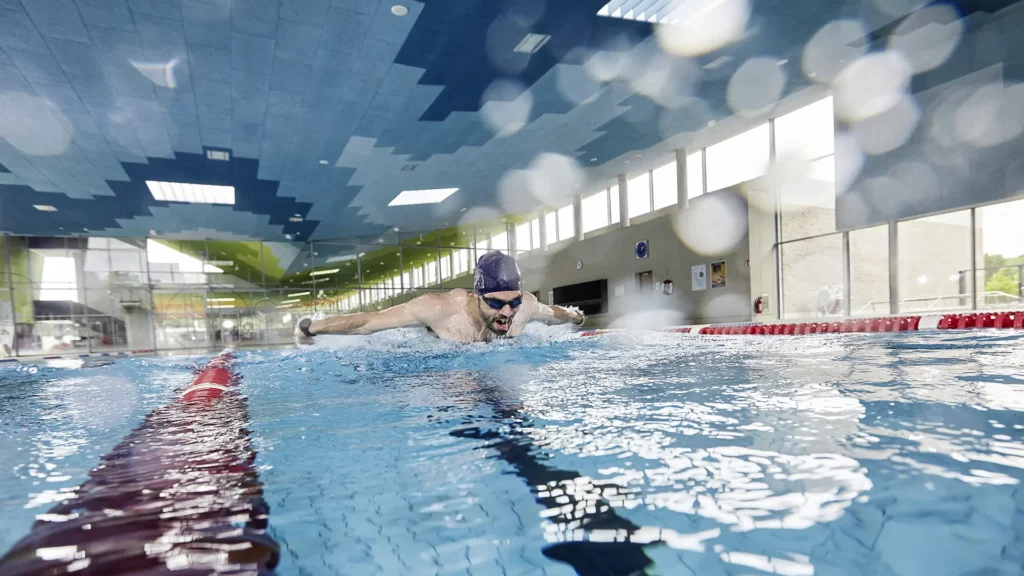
(999, 320)
(180, 495)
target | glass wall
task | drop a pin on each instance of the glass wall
(812, 277)
(1000, 253)
(869, 271)
(738, 159)
(98, 295)
(935, 263)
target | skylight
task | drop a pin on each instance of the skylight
(324, 272)
(433, 196)
(194, 193)
(157, 253)
(640, 10)
(44, 207)
(531, 43)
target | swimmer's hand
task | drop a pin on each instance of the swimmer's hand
(303, 336)
(575, 315)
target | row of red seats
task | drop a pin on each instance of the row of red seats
(863, 325)
(982, 320)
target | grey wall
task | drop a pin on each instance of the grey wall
(609, 254)
(953, 158)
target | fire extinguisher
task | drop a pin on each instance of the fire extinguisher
(759, 305)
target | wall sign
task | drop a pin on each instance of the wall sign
(698, 277)
(641, 249)
(718, 274)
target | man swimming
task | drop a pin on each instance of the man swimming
(497, 308)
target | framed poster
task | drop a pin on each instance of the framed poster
(698, 277)
(718, 274)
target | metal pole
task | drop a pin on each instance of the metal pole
(777, 203)
(623, 202)
(894, 269)
(10, 291)
(148, 283)
(847, 291)
(312, 268)
(359, 274)
(974, 263)
(263, 268)
(682, 180)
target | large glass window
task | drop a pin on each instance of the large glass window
(446, 267)
(1000, 254)
(738, 159)
(551, 227)
(535, 233)
(59, 279)
(638, 192)
(869, 271)
(935, 262)
(695, 174)
(665, 186)
(524, 238)
(806, 134)
(500, 242)
(812, 277)
(595, 211)
(566, 225)
(431, 273)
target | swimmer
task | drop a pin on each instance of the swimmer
(497, 308)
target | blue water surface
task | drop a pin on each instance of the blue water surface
(627, 453)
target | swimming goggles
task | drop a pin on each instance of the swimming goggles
(499, 304)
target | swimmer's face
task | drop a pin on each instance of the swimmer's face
(498, 309)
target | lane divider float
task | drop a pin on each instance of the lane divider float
(179, 495)
(970, 321)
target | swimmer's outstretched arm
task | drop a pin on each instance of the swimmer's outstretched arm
(417, 312)
(553, 314)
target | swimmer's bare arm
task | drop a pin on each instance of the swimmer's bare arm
(552, 314)
(421, 311)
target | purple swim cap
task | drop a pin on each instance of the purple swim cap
(496, 272)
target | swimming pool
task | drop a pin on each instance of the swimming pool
(625, 453)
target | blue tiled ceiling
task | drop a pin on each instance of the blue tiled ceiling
(97, 96)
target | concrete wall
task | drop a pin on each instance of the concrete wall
(672, 237)
(965, 149)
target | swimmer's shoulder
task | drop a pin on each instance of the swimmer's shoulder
(458, 295)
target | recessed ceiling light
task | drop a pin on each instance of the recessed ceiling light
(220, 299)
(194, 193)
(295, 219)
(718, 62)
(432, 196)
(86, 229)
(531, 43)
(218, 155)
(783, 62)
(593, 159)
(298, 294)
(288, 236)
(323, 272)
(463, 210)
(399, 10)
(44, 207)
(324, 162)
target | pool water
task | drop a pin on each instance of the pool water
(626, 453)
